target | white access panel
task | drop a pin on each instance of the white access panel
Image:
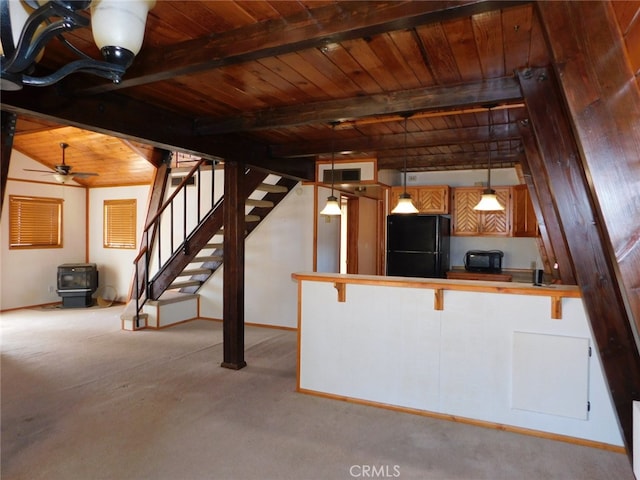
(550, 374)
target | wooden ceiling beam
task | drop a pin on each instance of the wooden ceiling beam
(313, 28)
(497, 90)
(450, 161)
(125, 118)
(434, 138)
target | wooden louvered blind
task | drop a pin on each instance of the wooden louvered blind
(35, 222)
(120, 223)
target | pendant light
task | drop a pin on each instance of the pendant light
(332, 206)
(489, 201)
(405, 205)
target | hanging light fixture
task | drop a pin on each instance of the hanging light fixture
(489, 201)
(405, 205)
(332, 207)
(27, 26)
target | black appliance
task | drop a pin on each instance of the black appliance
(418, 245)
(76, 283)
(487, 261)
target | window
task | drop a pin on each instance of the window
(35, 222)
(120, 223)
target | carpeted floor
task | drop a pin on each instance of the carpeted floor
(82, 399)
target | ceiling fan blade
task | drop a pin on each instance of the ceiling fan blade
(83, 174)
(39, 171)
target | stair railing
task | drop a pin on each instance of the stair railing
(191, 216)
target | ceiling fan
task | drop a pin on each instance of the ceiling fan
(62, 172)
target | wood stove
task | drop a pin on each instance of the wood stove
(76, 283)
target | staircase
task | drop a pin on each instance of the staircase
(184, 241)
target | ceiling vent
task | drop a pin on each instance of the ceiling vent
(175, 181)
(342, 175)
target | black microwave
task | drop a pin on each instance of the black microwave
(488, 261)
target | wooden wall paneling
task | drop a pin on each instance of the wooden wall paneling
(628, 16)
(559, 267)
(598, 86)
(233, 272)
(586, 240)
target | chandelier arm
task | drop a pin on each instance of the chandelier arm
(25, 52)
(95, 67)
(6, 33)
(73, 48)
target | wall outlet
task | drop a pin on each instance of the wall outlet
(52, 289)
(412, 178)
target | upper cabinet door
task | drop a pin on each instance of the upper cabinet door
(470, 222)
(524, 221)
(465, 220)
(432, 199)
(498, 223)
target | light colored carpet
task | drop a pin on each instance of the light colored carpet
(82, 399)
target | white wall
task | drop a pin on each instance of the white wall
(459, 361)
(115, 265)
(280, 245)
(519, 253)
(29, 276)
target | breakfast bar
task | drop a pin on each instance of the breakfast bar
(503, 354)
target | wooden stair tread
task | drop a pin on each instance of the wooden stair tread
(251, 218)
(252, 202)
(214, 245)
(208, 258)
(267, 187)
(195, 271)
(184, 284)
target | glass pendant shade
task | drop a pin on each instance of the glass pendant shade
(120, 23)
(61, 178)
(332, 207)
(405, 205)
(488, 202)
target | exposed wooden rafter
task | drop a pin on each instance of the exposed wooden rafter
(310, 29)
(498, 90)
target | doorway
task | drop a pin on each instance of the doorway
(360, 235)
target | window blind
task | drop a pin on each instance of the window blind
(35, 222)
(120, 223)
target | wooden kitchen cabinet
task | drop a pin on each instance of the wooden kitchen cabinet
(432, 199)
(524, 223)
(467, 221)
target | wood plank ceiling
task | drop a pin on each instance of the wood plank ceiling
(277, 75)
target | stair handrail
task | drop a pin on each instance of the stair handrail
(180, 186)
(145, 250)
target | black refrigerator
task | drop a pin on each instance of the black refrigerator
(418, 245)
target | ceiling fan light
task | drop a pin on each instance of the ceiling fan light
(489, 202)
(119, 25)
(332, 207)
(60, 178)
(405, 205)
